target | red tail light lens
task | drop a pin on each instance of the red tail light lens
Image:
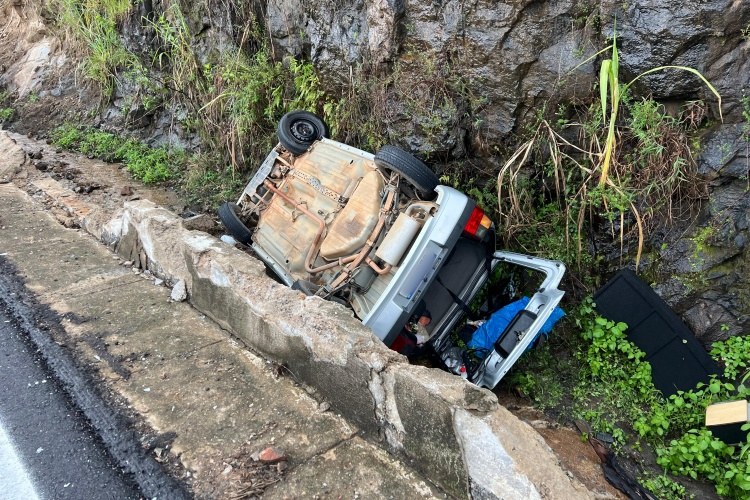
(478, 224)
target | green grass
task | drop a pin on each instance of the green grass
(147, 164)
(95, 23)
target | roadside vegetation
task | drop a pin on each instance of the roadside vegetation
(602, 172)
(591, 371)
(148, 165)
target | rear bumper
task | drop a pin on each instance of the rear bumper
(421, 264)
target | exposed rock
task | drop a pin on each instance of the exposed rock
(179, 291)
(705, 273)
(201, 222)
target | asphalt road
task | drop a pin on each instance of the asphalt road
(47, 448)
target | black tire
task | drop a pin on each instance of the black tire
(411, 168)
(233, 224)
(298, 130)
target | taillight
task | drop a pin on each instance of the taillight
(478, 224)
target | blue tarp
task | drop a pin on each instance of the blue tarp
(487, 334)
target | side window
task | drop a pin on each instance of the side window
(508, 283)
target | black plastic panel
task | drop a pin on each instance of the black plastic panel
(678, 360)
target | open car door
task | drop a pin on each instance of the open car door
(525, 326)
(506, 337)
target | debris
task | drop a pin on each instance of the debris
(228, 239)
(271, 455)
(725, 420)
(179, 291)
(201, 222)
(678, 361)
(615, 473)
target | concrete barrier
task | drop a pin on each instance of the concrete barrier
(450, 430)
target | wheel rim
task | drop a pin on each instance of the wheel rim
(303, 130)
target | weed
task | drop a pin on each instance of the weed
(745, 136)
(733, 354)
(6, 114)
(630, 162)
(614, 392)
(208, 183)
(149, 165)
(664, 487)
(94, 22)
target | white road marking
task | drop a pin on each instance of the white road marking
(16, 483)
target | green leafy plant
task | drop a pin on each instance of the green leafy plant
(149, 165)
(609, 80)
(6, 114)
(697, 454)
(664, 487)
(733, 354)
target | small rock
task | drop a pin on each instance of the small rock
(271, 455)
(324, 406)
(127, 263)
(227, 470)
(200, 222)
(126, 191)
(179, 291)
(158, 282)
(228, 239)
(41, 165)
(36, 155)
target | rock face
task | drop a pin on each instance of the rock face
(708, 271)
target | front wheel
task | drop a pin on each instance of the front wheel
(410, 168)
(231, 221)
(298, 130)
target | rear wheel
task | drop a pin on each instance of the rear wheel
(412, 169)
(298, 130)
(233, 223)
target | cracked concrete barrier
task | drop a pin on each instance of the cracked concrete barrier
(450, 430)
